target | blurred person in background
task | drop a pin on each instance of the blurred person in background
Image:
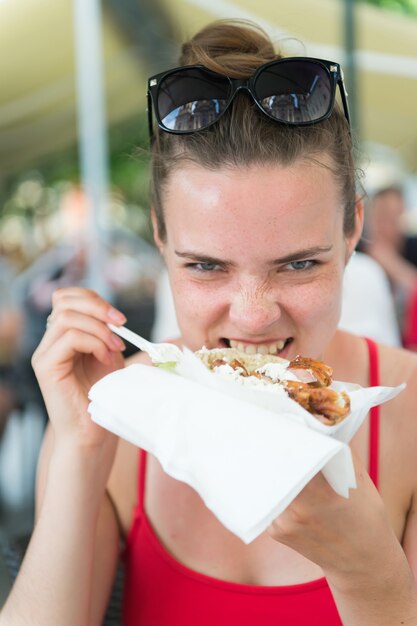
(387, 241)
(62, 264)
(10, 332)
(25, 416)
(129, 267)
(368, 307)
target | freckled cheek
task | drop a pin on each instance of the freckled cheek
(199, 302)
(328, 307)
(314, 306)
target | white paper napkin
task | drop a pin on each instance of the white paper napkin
(247, 453)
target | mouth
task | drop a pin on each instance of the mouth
(273, 347)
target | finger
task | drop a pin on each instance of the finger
(73, 291)
(55, 363)
(81, 300)
(69, 319)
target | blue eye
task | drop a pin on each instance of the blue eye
(205, 267)
(301, 265)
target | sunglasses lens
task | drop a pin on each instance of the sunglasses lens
(295, 91)
(192, 99)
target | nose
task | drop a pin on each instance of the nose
(253, 309)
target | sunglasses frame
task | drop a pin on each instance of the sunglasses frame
(333, 70)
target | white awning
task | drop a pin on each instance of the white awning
(37, 72)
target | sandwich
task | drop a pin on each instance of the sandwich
(304, 380)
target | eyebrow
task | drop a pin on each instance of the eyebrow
(293, 256)
(307, 253)
(202, 258)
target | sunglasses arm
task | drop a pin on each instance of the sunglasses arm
(344, 96)
(149, 109)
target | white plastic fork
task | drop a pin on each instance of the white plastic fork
(159, 352)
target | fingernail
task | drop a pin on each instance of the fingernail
(117, 342)
(116, 316)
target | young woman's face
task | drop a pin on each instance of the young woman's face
(256, 257)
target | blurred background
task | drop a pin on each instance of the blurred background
(74, 169)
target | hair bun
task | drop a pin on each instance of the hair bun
(232, 47)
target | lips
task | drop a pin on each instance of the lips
(258, 348)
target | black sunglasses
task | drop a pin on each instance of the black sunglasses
(296, 90)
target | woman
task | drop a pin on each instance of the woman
(256, 220)
(388, 244)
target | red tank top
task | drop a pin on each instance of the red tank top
(160, 591)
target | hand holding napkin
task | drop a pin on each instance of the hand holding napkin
(247, 453)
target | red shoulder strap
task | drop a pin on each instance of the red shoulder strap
(141, 479)
(374, 413)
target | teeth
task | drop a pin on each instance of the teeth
(263, 348)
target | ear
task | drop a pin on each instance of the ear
(156, 235)
(353, 239)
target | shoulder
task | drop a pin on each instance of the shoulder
(399, 415)
(397, 366)
(349, 357)
(399, 423)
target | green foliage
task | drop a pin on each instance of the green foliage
(30, 199)
(128, 171)
(128, 148)
(408, 7)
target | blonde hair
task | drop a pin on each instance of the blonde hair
(243, 136)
